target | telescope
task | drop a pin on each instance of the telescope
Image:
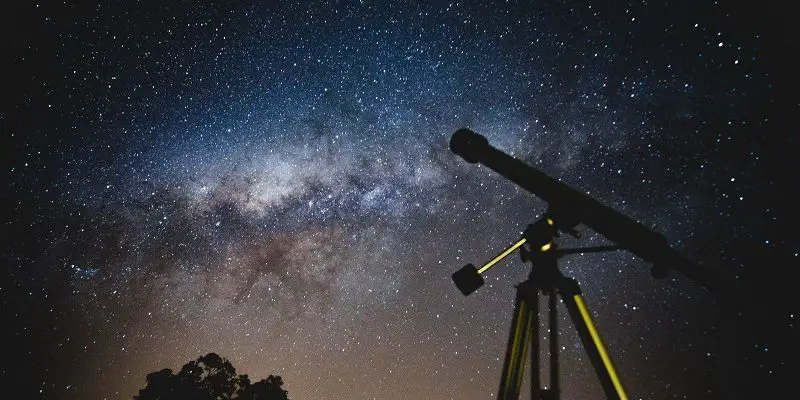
(567, 210)
(570, 208)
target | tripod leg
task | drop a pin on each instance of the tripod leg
(526, 309)
(591, 340)
(536, 386)
(553, 324)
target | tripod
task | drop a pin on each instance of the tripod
(545, 277)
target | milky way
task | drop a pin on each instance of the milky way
(274, 184)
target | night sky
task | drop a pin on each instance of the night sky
(273, 183)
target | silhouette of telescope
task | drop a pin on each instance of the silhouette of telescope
(573, 208)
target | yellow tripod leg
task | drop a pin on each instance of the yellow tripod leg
(587, 320)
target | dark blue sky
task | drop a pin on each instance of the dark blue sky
(273, 183)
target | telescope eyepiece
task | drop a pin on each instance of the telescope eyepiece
(468, 144)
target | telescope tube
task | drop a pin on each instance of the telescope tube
(576, 207)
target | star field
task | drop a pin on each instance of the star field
(273, 183)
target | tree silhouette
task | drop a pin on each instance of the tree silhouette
(265, 389)
(210, 377)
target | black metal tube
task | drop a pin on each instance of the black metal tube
(578, 207)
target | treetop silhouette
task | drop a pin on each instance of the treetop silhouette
(210, 377)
